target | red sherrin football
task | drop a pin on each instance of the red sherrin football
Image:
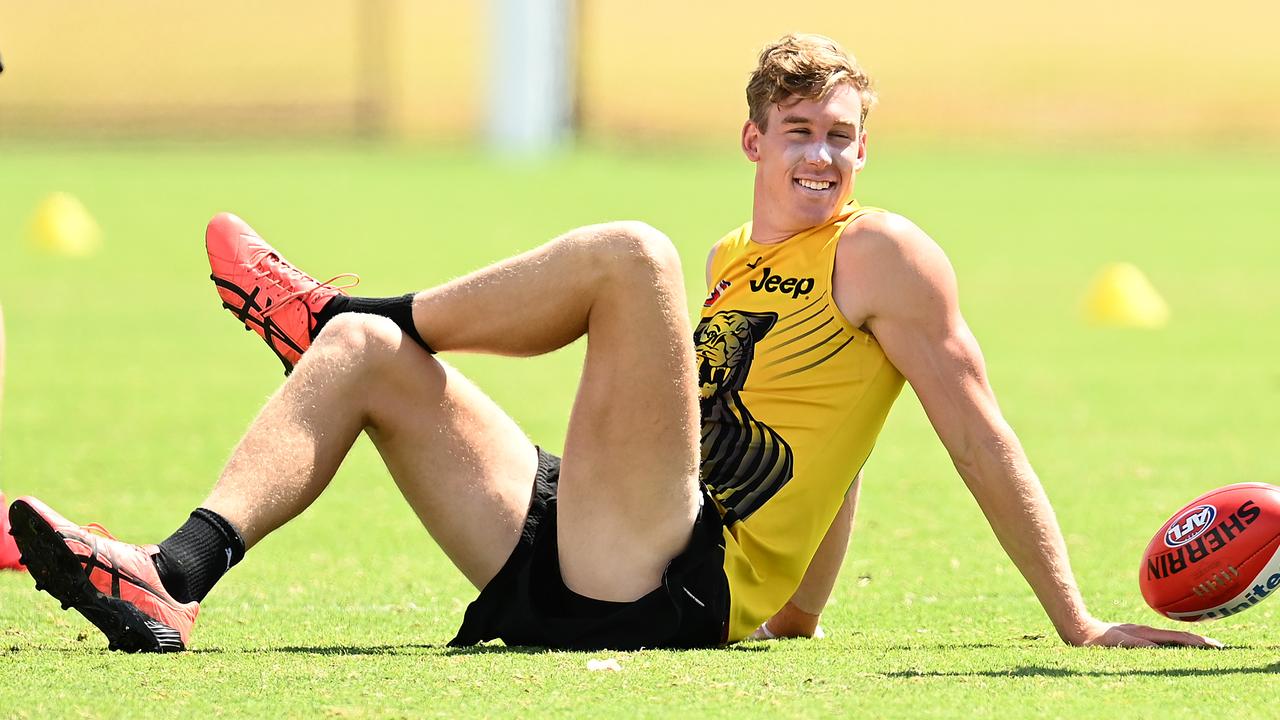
(1218, 556)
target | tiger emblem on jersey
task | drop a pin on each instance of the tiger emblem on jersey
(744, 461)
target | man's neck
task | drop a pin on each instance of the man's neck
(769, 229)
(769, 226)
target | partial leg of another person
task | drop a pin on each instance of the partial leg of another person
(10, 558)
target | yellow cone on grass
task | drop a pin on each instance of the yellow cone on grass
(1122, 296)
(62, 225)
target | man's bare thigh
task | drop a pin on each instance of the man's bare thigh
(628, 494)
(464, 466)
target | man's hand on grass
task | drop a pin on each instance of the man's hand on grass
(1105, 634)
(789, 622)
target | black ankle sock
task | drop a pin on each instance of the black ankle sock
(399, 309)
(198, 554)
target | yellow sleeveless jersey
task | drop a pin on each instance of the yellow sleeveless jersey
(792, 397)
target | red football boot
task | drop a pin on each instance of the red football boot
(10, 558)
(263, 291)
(113, 584)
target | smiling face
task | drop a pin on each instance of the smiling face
(806, 157)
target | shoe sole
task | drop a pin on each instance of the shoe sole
(58, 572)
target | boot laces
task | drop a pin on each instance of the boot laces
(303, 293)
(97, 529)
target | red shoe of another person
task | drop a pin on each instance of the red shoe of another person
(113, 584)
(10, 558)
(266, 293)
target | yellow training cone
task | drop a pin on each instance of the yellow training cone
(1121, 295)
(63, 226)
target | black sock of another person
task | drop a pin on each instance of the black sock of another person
(198, 554)
(398, 309)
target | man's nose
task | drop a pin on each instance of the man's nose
(818, 154)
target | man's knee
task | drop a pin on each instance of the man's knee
(631, 247)
(357, 336)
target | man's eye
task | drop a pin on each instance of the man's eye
(799, 131)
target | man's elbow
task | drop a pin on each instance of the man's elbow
(988, 457)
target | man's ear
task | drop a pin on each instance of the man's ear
(861, 160)
(751, 141)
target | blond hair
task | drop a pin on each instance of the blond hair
(804, 67)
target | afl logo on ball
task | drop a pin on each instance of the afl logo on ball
(1189, 525)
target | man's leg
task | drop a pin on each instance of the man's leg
(628, 491)
(628, 485)
(464, 466)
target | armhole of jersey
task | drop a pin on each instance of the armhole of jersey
(712, 268)
(831, 271)
(717, 259)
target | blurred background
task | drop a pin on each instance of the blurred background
(661, 71)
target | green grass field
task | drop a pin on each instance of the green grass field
(128, 386)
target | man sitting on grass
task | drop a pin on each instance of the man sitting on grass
(709, 474)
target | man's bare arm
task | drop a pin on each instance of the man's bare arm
(901, 285)
(799, 617)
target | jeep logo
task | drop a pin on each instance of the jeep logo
(795, 287)
(1190, 525)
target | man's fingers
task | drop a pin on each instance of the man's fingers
(766, 632)
(1119, 638)
(763, 633)
(1170, 637)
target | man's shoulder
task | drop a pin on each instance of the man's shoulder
(883, 232)
(882, 260)
(877, 241)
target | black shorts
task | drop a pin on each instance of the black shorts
(527, 602)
